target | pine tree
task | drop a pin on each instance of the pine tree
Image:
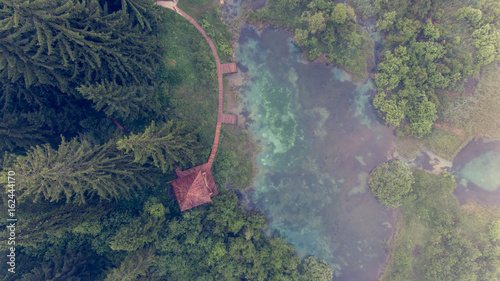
(165, 145)
(21, 130)
(119, 101)
(64, 267)
(36, 225)
(76, 170)
(135, 264)
(63, 43)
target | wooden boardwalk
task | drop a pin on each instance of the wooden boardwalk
(228, 68)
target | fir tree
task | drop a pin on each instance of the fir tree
(135, 264)
(21, 130)
(63, 43)
(77, 170)
(119, 101)
(165, 145)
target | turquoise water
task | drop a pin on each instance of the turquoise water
(477, 170)
(320, 140)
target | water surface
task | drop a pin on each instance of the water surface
(320, 139)
(477, 170)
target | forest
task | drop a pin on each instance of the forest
(100, 100)
(436, 237)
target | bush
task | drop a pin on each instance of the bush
(391, 182)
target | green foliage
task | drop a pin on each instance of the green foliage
(322, 28)
(438, 240)
(233, 165)
(494, 231)
(391, 112)
(68, 267)
(391, 182)
(119, 101)
(21, 130)
(140, 231)
(425, 52)
(386, 21)
(76, 171)
(134, 265)
(315, 269)
(472, 15)
(164, 145)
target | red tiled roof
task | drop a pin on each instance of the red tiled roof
(194, 187)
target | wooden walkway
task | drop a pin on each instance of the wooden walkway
(228, 68)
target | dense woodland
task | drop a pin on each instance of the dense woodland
(436, 238)
(93, 201)
(432, 46)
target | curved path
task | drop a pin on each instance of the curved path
(171, 5)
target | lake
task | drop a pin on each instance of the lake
(320, 139)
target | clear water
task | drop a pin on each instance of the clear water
(320, 140)
(477, 170)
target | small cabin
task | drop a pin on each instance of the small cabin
(194, 187)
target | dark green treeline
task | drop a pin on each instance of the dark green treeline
(92, 202)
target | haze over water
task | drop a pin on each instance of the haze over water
(320, 140)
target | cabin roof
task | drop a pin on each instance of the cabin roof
(194, 187)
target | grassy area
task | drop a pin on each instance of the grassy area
(443, 143)
(192, 91)
(234, 163)
(208, 16)
(462, 117)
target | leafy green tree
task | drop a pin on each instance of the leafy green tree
(391, 182)
(494, 231)
(392, 113)
(386, 21)
(300, 36)
(142, 230)
(316, 269)
(430, 31)
(339, 13)
(487, 42)
(421, 115)
(471, 14)
(77, 170)
(315, 22)
(164, 145)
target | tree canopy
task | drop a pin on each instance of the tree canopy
(391, 182)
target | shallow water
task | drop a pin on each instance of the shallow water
(477, 171)
(320, 140)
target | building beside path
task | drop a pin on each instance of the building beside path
(194, 187)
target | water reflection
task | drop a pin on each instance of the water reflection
(320, 141)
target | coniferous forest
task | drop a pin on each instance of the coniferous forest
(99, 101)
